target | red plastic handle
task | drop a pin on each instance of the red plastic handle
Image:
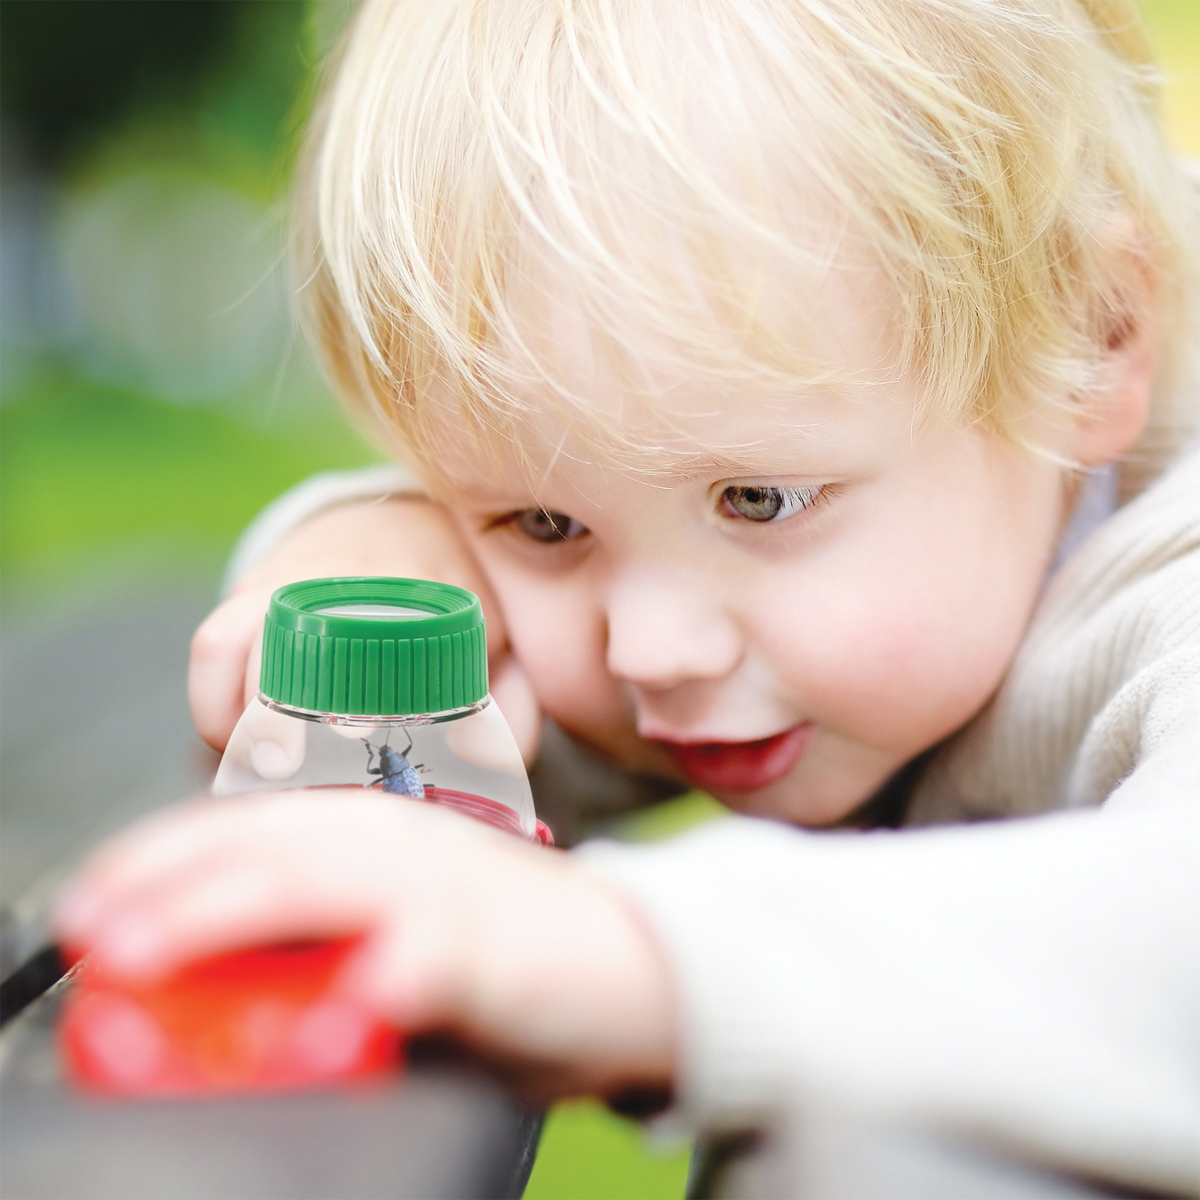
(255, 1020)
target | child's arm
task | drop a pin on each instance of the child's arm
(515, 949)
(1031, 984)
(400, 535)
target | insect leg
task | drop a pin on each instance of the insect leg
(371, 770)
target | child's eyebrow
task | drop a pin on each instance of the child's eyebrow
(708, 466)
(672, 472)
(657, 467)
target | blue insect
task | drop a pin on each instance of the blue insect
(395, 772)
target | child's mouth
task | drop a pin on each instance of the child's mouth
(740, 766)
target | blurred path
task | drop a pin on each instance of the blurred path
(94, 725)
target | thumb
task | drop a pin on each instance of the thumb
(513, 693)
(223, 653)
(253, 669)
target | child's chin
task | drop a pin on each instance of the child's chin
(815, 795)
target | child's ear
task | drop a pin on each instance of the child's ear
(1128, 340)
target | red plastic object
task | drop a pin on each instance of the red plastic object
(500, 816)
(488, 811)
(264, 1019)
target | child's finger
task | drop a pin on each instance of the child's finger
(414, 969)
(227, 907)
(159, 845)
(166, 848)
(220, 652)
(276, 872)
(512, 691)
(349, 836)
(250, 677)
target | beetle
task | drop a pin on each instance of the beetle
(396, 773)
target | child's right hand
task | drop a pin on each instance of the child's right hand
(519, 951)
(407, 536)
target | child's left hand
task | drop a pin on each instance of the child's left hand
(517, 950)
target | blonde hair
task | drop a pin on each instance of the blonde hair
(651, 160)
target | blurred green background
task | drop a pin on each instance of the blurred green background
(153, 395)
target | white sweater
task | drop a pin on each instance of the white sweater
(1034, 983)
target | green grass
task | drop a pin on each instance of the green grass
(1174, 28)
(89, 469)
(668, 819)
(587, 1153)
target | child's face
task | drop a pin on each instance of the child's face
(783, 624)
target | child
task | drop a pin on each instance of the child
(754, 360)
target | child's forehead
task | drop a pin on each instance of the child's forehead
(826, 297)
(584, 390)
(573, 374)
(713, 433)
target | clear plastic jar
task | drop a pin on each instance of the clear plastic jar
(333, 648)
(464, 759)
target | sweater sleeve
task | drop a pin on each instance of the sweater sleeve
(1034, 984)
(313, 495)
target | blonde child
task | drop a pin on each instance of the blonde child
(763, 364)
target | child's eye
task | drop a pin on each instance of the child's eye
(543, 526)
(755, 502)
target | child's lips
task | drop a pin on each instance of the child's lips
(740, 766)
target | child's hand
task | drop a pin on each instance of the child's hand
(515, 949)
(409, 537)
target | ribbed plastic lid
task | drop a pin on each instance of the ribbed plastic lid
(374, 647)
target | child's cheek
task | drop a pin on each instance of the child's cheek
(913, 616)
(904, 660)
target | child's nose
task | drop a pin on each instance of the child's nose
(662, 633)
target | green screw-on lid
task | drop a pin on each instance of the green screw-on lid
(374, 647)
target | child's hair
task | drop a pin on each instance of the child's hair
(474, 163)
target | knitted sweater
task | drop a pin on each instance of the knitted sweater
(1034, 984)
